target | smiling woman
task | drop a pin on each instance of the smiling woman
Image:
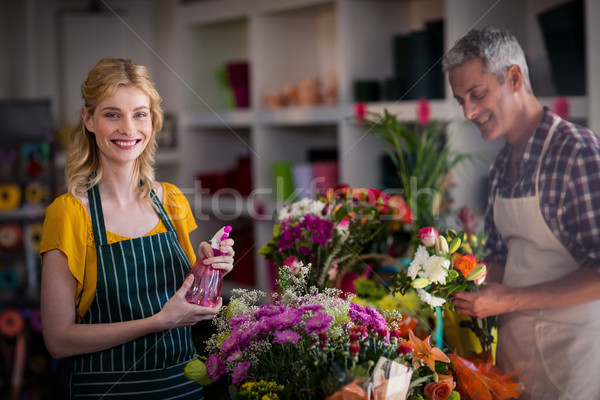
(116, 250)
(122, 125)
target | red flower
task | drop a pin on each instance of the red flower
(354, 349)
(404, 348)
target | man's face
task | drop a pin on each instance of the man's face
(484, 100)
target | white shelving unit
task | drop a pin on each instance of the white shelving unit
(285, 40)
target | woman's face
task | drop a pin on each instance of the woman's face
(122, 124)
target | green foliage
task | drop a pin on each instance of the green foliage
(423, 159)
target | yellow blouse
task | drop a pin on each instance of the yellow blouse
(68, 228)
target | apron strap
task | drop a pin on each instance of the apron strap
(161, 210)
(97, 215)
(557, 120)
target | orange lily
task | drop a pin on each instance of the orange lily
(424, 352)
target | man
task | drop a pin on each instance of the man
(542, 223)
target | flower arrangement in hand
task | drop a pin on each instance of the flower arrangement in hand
(439, 269)
(313, 345)
(330, 233)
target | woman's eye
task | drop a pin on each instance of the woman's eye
(112, 115)
(141, 115)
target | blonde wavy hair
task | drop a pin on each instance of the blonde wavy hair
(83, 168)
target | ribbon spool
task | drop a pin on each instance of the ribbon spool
(34, 193)
(11, 323)
(10, 196)
(36, 236)
(11, 236)
(9, 279)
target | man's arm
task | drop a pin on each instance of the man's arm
(578, 287)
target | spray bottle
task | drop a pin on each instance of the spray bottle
(208, 281)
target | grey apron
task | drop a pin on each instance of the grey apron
(136, 277)
(556, 349)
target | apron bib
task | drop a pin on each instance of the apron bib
(136, 277)
(555, 349)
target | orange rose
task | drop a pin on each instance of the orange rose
(441, 389)
(465, 264)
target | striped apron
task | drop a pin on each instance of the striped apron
(136, 277)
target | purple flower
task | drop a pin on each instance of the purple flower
(322, 227)
(236, 356)
(318, 323)
(286, 336)
(268, 311)
(366, 316)
(231, 344)
(310, 307)
(239, 373)
(304, 250)
(215, 367)
(250, 333)
(237, 320)
(285, 319)
(290, 234)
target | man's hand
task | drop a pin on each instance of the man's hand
(491, 299)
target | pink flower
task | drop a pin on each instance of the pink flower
(423, 111)
(332, 273)
(561, 107)
(481, 279)
(465, 216)
(215, 367)
(292, 264)
(360, 112)
(347, 283)
(344, 223)
(428, 236)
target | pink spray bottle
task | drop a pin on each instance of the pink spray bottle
(208, 281)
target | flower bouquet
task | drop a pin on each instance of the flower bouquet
(439, 269)
(332, 232)
(317, 345)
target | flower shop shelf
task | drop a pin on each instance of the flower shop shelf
(222, 118)
(406, 110)
(319, 115)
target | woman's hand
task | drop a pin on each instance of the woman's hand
(177, 312)
(223, 262)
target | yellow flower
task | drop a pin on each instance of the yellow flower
(388, 303)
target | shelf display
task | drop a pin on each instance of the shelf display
(26, 187)
(351, 46)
